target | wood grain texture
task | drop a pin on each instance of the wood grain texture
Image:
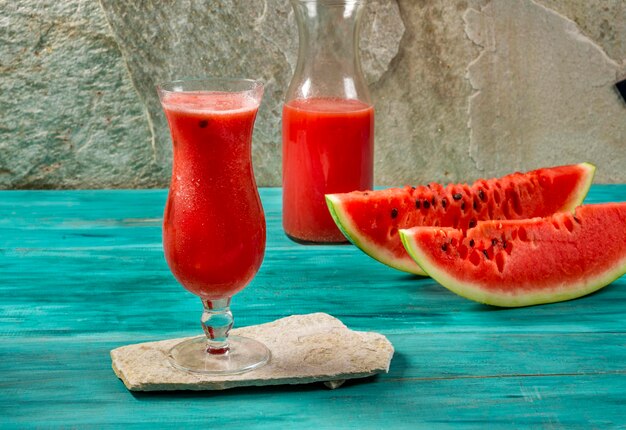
(82, 272)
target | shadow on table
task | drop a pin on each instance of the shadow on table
(605, 293)
(430, 289)
(264, 390)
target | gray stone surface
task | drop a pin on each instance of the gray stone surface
(79, 107)
(421, 103)
(604, 22)
(541, 84)
(305, 349)
(70, 116)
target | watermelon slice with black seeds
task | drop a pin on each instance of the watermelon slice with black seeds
(371, 219)
(526, 262)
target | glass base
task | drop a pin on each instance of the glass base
(244, 354)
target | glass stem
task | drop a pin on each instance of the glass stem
(217, 320)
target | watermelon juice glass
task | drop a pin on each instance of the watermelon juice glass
(213, 226)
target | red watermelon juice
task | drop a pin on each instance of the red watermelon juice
(213, 226)
(328, 146)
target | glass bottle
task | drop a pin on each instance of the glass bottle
(328, 119)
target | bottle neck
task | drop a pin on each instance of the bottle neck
(328, 58)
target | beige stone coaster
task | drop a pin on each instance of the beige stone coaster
(305, 348)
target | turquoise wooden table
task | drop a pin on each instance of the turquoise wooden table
(82, 272)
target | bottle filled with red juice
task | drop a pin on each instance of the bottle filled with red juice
(328, 119)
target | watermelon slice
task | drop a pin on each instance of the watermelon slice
(371, 219)
(526, 262)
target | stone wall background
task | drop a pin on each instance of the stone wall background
(462, 89)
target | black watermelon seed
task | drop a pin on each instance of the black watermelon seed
(577, 220)
(412, 188)
(457, 196)
(472, 223)
(504, 244)
(472, 243)
(433, 201)
(481, 194)
(475, 205)
(463, 206)
(444, 247)
(366, 194)
(444, 202)
(486, 254)
(203, 123)
(394, 213)
(426, 204)
(417, 204)
(494, 242)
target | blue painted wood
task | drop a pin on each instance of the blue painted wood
(82, 272)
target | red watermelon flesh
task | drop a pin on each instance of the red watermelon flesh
(371, 219)
(526, 262)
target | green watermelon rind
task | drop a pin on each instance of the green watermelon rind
(377, 253)
(408, 265)
(476, 293)
(583, 190)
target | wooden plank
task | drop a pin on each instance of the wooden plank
(512, 402)
(82, 272)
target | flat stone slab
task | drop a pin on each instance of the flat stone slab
(305, 349)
